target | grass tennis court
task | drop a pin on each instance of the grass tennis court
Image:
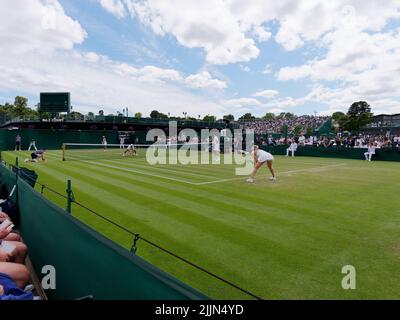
(287, 240)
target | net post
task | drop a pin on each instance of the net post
(63, 149)
(69, 196)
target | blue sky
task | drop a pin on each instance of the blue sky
(209, 57)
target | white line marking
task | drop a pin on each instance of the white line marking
(142, 173)
(130, 164)
(282, 173)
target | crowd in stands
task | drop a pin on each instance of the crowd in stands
(277, 124)
(14, 275)
(353, 141)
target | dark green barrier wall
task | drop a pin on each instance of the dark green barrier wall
(87, 263)
(346, 153)
(53, 139)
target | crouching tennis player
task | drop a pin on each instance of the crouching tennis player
(261, 157)
(35, 156)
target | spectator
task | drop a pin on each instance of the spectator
(275, 125)
(302, 140)
(16, 251)
(18, 273)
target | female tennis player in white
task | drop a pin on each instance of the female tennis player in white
(261, 157)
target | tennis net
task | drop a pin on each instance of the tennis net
(82, 152)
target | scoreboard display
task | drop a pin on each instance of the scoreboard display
(55, 102)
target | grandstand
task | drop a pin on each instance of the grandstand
(281, 123)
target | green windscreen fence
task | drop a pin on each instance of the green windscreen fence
(86, 262)
(385, 154)
(53, 139)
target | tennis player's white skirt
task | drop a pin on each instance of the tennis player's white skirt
(266, 157)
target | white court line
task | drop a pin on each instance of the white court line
(142, 173)
(282, 173)
(159, 168)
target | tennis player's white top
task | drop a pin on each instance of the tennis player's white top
(263, 156)
(131, 147)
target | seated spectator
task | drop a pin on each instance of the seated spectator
(302, 140)
(13, 241)
(18, 273)
(13, 279)
(386, 143)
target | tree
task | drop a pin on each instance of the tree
(90, 114)
(339, 120)
(269, 116)
(20, 106)
(289, 115)
(7, 110)
(101, 113)
(358, 116)
(162, 115)
(154, 114)
(337, 116)
(138, 115)
(247, 116)
(229, 117)
(158, 115)
(76, 115)
(210, 118)
(18, 109)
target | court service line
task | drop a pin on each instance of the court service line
(142, 173)
(282, 173)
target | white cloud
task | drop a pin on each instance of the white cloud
(358, 65)
(102, 84)
(261, 33)
(239, 106)
(244, 68)
(268, 69)
(242, 102)
(37, 25)
(205, 24)
(269, 94)
(116, 7)
(41, 59)
(226, 30)
(355, 56)
(204, 80)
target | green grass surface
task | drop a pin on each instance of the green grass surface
(283, 240)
